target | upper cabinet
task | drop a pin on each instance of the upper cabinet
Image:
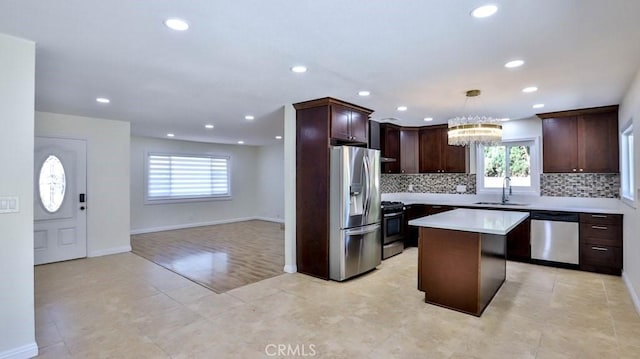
(401, 145)
(348, 123)
(580, 141)
(436, 155)
(420, 150)
(390, 147)
(409, 150)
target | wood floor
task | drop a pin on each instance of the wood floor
(220, 257)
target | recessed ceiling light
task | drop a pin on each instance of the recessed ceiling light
(364, 93)
(514, 64)
(428, 119)
(176, 24)
(102, 100)
(530, 89)
(505, 119)
(538, 105)
(484, 11)
(401, 108)
(208, 126)
(299, 69)
(249, 117)
(241, 142)
(278, 137)
(170, 135)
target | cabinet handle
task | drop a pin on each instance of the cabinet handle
(598, 216)
(600, 249)
(599, 227)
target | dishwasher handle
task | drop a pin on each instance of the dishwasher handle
(555, 216)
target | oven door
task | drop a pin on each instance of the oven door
(392, 227)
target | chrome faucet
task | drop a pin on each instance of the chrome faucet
(506, 183)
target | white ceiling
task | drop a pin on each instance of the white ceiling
(235, 59)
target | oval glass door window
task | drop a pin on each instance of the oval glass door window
(52, 184)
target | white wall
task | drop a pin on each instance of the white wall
(270, 182)
(17, 78)
(245, 203)
(630, 112)
(107, 176)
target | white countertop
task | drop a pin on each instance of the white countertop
(526, 203)
(473, 220)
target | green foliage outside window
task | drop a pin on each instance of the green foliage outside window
(495, 163)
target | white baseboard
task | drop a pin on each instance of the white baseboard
(632, 292)
(23, 352)
(290, 268)
(274, 220)
(201, 224)
(106, 252)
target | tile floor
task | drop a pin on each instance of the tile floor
(211, 256)
(123, 306)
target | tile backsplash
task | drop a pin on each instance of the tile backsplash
(427, 182)
(594, 185)
(588, 185)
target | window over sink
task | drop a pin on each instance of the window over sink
(517, 160)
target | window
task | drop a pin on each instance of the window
(52, 184)
(186, 177)
(516, 160)
(627, 171)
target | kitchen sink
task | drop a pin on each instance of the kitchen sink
(503, 204)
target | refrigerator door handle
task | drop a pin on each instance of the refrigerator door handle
(367, 170)
(363, 230)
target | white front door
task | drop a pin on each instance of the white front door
(60, 208)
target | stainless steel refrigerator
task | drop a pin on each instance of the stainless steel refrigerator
(355, 214)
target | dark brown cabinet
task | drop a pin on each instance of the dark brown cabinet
(349, 124)
(390, 147)
(408, 150)
(320, 123)
(601, 243)
(420, 150)
(580, 141)
(436, 155)
(400, 144)
(519, 242)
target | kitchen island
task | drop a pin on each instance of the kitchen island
(461, 256)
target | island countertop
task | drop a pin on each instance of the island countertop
(473, 220)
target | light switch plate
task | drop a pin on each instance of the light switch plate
(9, 205)
(461, 188)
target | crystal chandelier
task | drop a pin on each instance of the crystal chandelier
(474, 129)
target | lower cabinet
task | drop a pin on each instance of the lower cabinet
(413, 211)
(601, 243)
(519, 242)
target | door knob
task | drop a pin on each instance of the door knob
(82, 208)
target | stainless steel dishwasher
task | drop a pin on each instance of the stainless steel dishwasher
(555, 236)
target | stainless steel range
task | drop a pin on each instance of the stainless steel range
(392, 228)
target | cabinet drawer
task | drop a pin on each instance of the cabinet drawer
(605, 234)
(600, 256)
(601, 218)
